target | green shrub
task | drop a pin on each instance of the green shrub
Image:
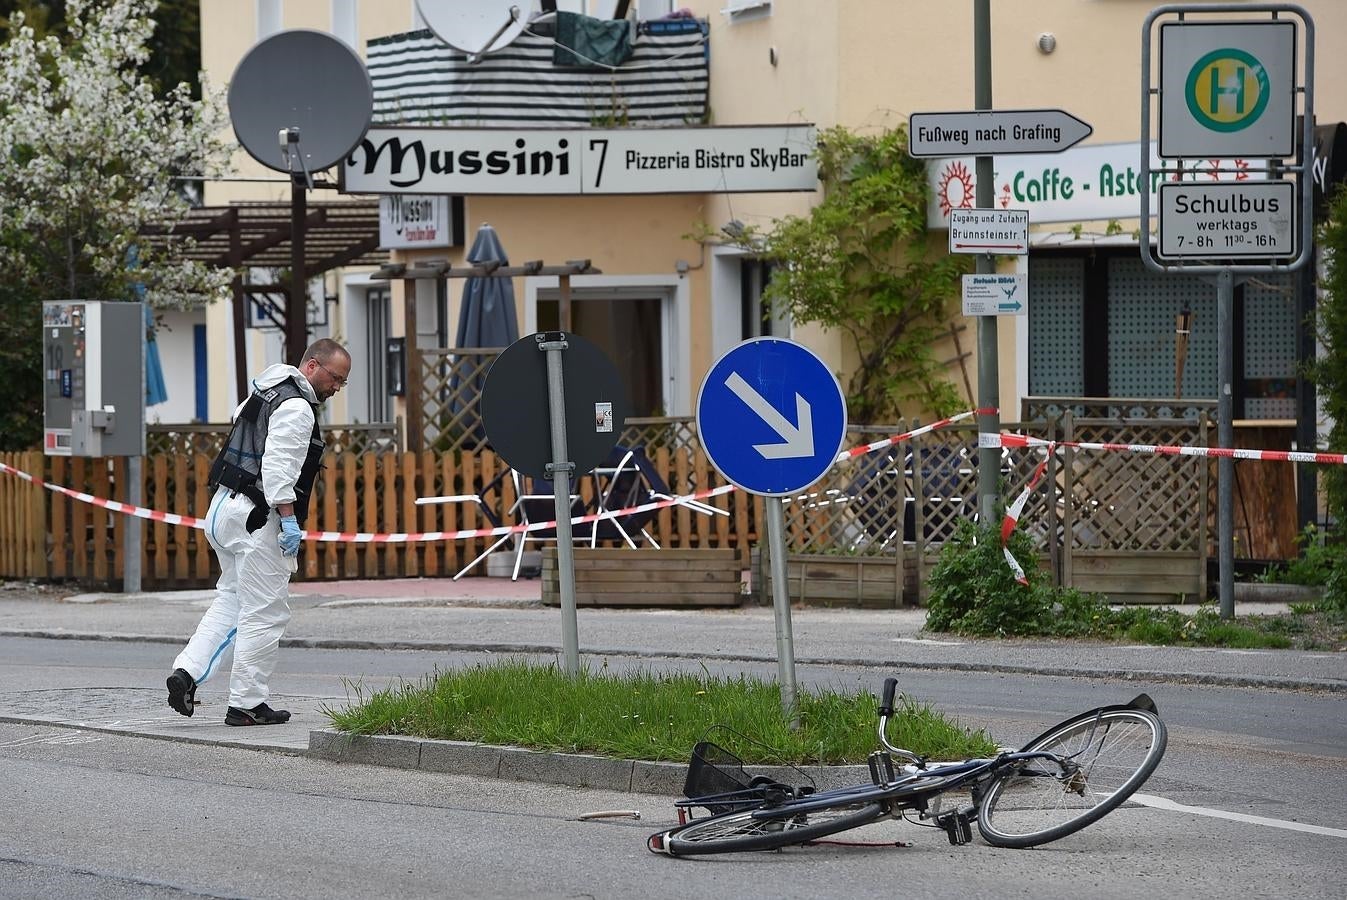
(974, 591)
(1317, 557)
(1323, 563)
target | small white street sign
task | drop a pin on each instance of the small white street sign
(1253, 218)
(997, 231)
(414, 220)
(995, 295)
(992, 132)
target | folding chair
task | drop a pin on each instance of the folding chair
(628, 478)
(619, 483)
(529, 506)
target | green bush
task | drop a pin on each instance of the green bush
(1316, 560)
(973, 590)
(1322, 562)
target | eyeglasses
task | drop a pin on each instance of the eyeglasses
(341, 382)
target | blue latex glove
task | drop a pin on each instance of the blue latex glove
(289, 536)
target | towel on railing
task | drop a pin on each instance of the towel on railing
(586, 41)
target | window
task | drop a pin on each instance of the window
(630, 332)
(640, 322)
(378, 323)
(755, 314)
(1104, 326)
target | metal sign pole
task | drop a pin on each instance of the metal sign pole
(772, 419)
(785, 641)
(560, 470)
(1225, 437)
(131, 537)
(989, 388)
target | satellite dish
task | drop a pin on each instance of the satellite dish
(300, 101)
(476, 27)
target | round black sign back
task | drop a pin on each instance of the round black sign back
(515, 409)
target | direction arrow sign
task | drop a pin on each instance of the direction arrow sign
(771, 417)
(993, 132)
(994, 294)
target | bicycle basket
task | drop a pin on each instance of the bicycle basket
(716, 779)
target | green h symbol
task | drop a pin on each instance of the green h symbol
(1217, 90)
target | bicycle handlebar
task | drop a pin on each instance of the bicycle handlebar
(885, 712)
(886, 700)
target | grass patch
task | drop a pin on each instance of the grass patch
(646, 715)
(1203, 628)
(974, 593)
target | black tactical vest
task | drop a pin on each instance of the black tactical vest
(239, 465)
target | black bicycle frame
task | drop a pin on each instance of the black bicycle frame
(947, 778)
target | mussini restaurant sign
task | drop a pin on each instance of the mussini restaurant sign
(582, 160)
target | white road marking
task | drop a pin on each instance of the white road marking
(1163, 803)
(77, 737)
(903, 640)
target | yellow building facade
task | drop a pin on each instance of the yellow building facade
(670, 300)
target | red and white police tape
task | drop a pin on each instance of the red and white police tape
(359, 537)
(1010, 439)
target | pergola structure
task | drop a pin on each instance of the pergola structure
(336, 235)
(258, 234)
(434, 270)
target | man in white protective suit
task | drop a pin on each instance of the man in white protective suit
(263, 480)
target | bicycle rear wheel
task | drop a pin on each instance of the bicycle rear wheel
(741, 831)
(1110, 752)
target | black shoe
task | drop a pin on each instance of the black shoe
(182, 692)
(261, 714)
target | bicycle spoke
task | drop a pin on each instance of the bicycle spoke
(1103, 759)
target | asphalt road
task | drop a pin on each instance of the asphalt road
(1261, 774)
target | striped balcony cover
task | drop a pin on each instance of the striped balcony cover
(420, 80)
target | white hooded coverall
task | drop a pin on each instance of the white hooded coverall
(252, 597)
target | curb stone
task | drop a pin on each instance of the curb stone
(1276, 682)
(518, 764)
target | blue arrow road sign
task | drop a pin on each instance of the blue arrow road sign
(771, 416)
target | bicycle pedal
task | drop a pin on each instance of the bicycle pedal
(881, 768)
(958, 826)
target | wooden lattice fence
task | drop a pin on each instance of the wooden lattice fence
(45, 534)
(1104, 520)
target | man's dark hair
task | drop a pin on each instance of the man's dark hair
(324, 349)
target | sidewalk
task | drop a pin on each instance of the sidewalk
(501, 616)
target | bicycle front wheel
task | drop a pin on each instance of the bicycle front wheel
(741, 831)
(1107, 755)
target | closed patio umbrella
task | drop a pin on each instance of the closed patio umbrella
(486, 319)
(156, 389)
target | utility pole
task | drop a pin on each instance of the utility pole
(989, 388)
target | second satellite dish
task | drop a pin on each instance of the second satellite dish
(476, 27)
(300, 101)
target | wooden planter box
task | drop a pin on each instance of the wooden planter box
(1149, 576)
(623, 577)
(822, 579)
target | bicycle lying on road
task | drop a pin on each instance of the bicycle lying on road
(1071, 775)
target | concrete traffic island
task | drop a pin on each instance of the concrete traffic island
(519, 764)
